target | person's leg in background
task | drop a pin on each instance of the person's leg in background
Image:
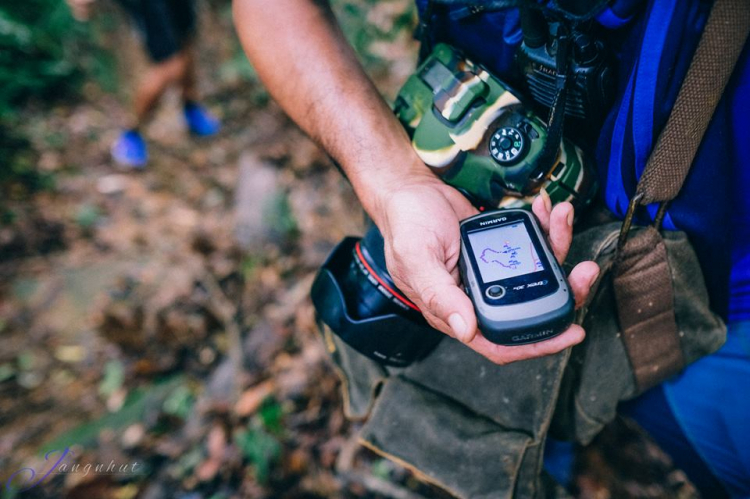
(652, 413)
(188, 80)
(167, 26)
(130, 149)
(154, 83)
(199, 120)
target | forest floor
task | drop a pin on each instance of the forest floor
(163, 316)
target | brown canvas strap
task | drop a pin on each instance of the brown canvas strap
(642, 276)
(645, 309)
(717, 53)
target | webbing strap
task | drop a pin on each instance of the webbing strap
(642, 276)
(548, 157)
(719, 48)
(645, 308)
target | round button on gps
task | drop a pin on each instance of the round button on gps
(495, 292)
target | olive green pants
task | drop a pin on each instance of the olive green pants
(478, 429)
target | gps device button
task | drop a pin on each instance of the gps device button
(495, 292)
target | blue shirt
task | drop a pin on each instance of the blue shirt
(654, 42)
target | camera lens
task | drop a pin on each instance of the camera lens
(354, 296)
(369, 289)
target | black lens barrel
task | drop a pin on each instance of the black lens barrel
(348, 302)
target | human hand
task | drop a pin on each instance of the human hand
(81, 9)
(420, 219)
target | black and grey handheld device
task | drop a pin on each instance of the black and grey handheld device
(519, 291)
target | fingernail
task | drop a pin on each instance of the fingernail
(570, 218)
(457, 324)
(546, 199)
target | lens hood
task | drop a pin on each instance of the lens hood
(390, 339)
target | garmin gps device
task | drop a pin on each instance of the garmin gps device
(519, 291)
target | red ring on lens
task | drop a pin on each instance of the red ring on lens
(400, 298)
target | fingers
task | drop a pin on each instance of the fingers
(426, 280)
(448, 309)
(561, 230)
(557, 222)
(542, 206)
(581, 278)
(500, 354)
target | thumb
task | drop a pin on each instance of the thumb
(445, 301)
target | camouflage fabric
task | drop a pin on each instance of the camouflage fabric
(451, 107)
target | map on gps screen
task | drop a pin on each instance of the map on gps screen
(504, 252)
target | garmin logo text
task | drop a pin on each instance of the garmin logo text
(533, 336)
(490, 222)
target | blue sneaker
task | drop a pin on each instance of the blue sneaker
(130, 150)
(200, 121)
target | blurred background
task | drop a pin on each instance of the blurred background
(162, 317)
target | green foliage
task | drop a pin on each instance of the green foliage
(18, 172)
(271, 414)
(87, 216)
(9, 493)
(44, 56)
(26, 360)
(260, 448)
(362, 30)
(260, 442)
(6, 372)
(180, 402)
(133, 410)
(238, 68)
(382, 469)
(278, 214)
(114, 377)
(36, 38)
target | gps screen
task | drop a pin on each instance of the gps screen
(504, 252)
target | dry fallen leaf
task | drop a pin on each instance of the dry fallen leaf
(216, 444)
(252, 398)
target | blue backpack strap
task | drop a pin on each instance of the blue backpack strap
(615, 196)
(635, 117)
